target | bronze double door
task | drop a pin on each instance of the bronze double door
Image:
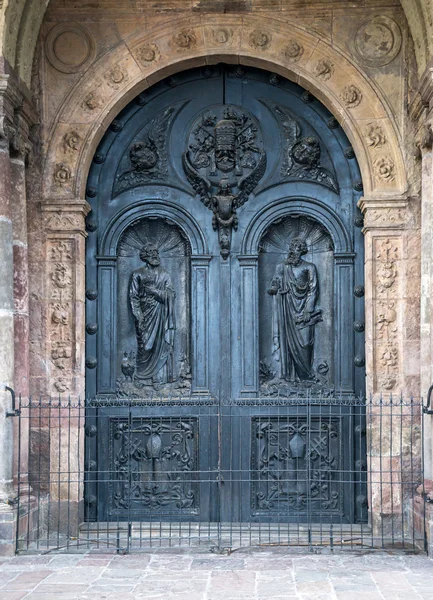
(224, 306)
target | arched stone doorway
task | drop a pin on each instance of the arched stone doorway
(224, 260)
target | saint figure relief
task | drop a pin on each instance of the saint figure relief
(295, 291)
(152, 297)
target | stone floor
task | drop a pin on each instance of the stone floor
(246, 575)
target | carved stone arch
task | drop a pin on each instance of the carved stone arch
(348, 94)
(153, 208)
(297, 206)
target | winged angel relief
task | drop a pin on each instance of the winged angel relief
(302, 155)
(224, 163)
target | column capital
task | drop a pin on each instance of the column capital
(386, 212)
(17, 115)
(65, 215)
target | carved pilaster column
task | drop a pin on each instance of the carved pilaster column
(6, 297)
(64, 227)
(20, 154)
(392, 294)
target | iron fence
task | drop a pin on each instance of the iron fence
(127, 475)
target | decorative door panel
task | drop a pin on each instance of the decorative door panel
(224, 275)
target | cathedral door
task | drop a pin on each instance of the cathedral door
(224, 307)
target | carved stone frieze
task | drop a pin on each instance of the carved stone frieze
(323, 70)
(260, 40)
(384, 169)
(148, 53)
(116, 76)
(293, 51)
(351, 96)
(385, 216)
(375, 136)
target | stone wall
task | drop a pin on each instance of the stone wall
(92, 59)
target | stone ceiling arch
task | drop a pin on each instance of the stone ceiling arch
(142, 60)
(20, 22)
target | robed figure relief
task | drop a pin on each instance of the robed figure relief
(152, 298)
(295, 289)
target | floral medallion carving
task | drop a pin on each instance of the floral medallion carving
(148, 54)
(378, 41)
(293, 51)
(375, 135)
(62, 174)
(71, 141)
(61, 276)
(185, 39)
(351, 96)
(116, 76)
(222, 35)
(70, 48)
(61, 251)
(91, 102)
(260, 40)
(323, 70)
(384, 169)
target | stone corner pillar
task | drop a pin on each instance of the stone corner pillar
(424, 503)
(10, 100)
(65, 233)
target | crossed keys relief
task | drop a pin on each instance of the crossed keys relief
(224, 162)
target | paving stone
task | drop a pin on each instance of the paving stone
(200, 576)
(46, 590)
(221, 564)
(77, 575)
(28, 580)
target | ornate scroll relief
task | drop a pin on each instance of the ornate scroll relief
(283, 451)
(225, 153)
(60, 261)
(153, 463)
(153, 354)
(387, 361)
(147, 159)
(302, 155)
